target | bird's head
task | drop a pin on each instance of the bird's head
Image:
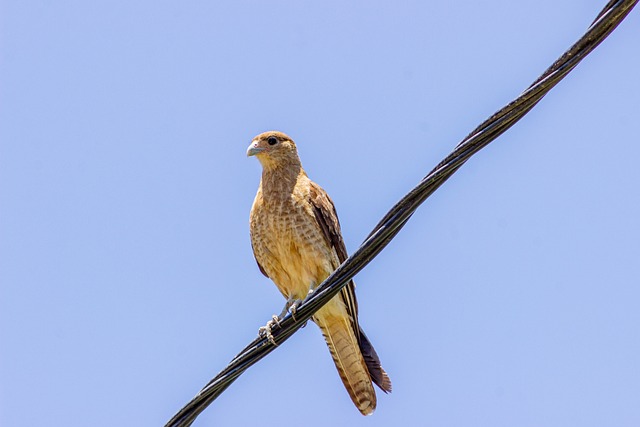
(274, 149)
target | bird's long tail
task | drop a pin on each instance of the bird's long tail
(345, 350)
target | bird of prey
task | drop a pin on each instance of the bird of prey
(297, 243)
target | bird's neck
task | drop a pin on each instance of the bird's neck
(279, 182)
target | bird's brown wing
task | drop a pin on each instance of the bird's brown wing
(327, 218)
(258, 262)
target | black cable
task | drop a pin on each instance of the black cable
(607, 20)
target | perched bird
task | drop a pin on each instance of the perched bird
(296, 240)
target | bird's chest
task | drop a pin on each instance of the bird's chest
(289, 244)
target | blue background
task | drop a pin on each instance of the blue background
(126, 274)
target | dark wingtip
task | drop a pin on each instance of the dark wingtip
(371, 359)
(385, 385)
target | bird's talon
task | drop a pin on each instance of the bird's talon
(309, 295)
(271, 339)
(265, 331)
(275, 319)
(293, 308)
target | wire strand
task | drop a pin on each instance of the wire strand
(607, 20)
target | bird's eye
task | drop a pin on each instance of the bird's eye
(272, 140)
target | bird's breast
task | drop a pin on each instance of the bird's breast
(289, 245)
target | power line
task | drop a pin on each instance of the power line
(606, 21)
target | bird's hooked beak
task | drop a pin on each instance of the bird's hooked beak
(254, 149)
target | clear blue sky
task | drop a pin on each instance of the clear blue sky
(127, 279)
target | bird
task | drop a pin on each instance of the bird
(297, 243)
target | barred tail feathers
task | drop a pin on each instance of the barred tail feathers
(345, 350)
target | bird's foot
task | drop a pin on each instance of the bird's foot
(291, 306)
(265, 331)
(295, 304)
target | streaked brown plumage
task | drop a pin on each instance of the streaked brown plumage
(296, 240)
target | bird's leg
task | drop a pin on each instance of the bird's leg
(296, 303)
(265, 331)
(290, 306)
(285, 309)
